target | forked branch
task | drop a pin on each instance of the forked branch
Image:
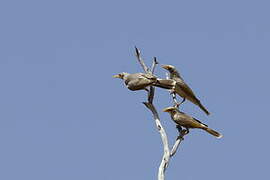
(166, 150)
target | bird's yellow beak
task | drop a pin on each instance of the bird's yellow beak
(116, 76)
(165, 67)
(168, 109)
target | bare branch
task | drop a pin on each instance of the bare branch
(151, 94)
(138, 55)
(166, 151)
(176, 145)
(166, 154)
(152, 89)
(179, 139)
(154, 64)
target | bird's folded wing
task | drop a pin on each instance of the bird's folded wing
(184, 87)
(200, 122)
(148, 76)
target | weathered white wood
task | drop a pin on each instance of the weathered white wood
(175, 146)
(179, 139)
(166, 150)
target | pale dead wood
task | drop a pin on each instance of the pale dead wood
(151, 107)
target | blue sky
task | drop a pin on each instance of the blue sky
(63, 116)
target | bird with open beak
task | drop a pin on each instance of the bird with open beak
(182, 89)
(140, 81)
(184, 120)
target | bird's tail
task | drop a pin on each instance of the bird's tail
(213, 132)
(165, 83)
(203, 108)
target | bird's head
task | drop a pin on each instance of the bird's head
(120, 75)
(170, 109)
(168, 67)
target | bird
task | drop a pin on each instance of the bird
(184, 120)
(140, 81)
(182, 89)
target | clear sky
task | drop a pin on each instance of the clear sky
(63, 116)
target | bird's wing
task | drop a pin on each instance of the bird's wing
(137, 83)
(186, 89)
(200, 122)
(135, 76)
(149, 76)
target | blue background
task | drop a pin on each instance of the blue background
(63, 116)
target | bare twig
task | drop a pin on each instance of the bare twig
(152, 89)
(154, 64)
(176, 104)
(176, 145)
(138, 55)
(179, 139)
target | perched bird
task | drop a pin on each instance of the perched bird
(182, 89)
(187, 121)
(139, 81)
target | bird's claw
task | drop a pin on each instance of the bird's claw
(184, 132)
(179, 128)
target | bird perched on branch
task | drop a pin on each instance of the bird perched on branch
(182, 89)
(187, 121)
(140, 81)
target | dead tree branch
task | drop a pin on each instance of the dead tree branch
(166, 150)
(138, 55)
(154, 64)
(151, 107)
(179, 139)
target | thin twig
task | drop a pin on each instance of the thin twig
(179, 139)
(138, 55)
(154, 64)
(176, 104)
(152, 89)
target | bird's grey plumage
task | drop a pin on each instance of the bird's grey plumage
(139, 81)
(184, 120)
(182, 89)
